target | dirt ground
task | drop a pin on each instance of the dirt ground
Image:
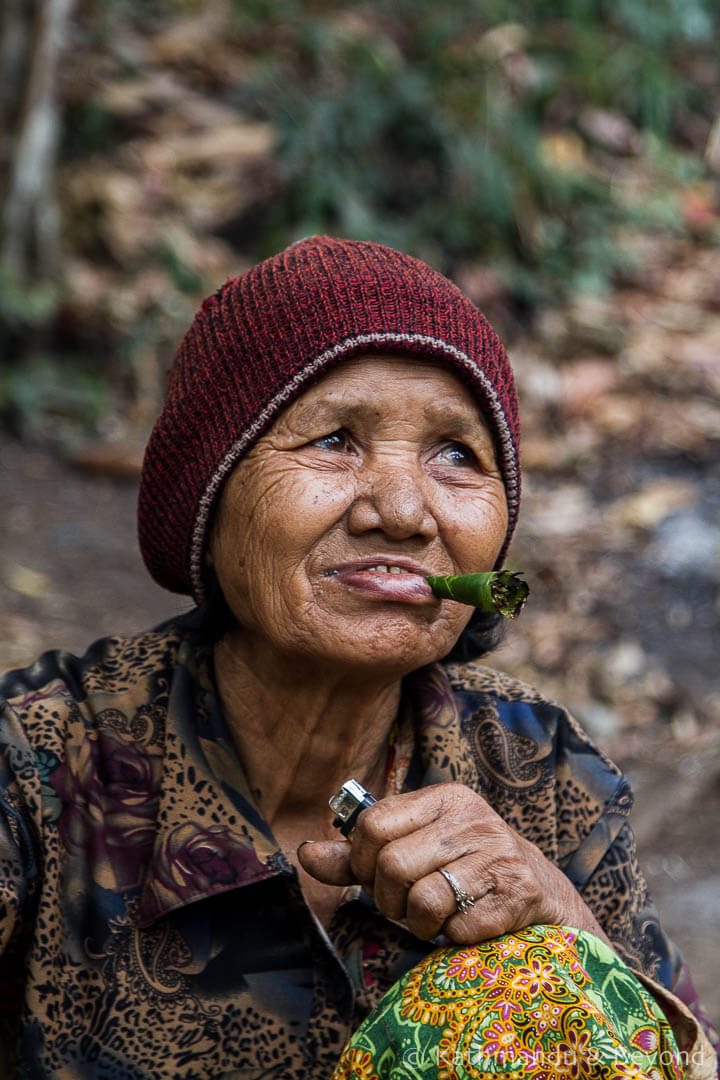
(70, 572)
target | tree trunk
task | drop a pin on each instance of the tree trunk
(30, 245)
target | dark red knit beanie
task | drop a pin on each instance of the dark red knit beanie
(262, 339)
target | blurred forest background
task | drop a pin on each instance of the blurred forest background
(560, 159)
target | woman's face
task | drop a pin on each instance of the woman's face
(381, 473)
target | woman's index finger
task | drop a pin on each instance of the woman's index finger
(392, 818)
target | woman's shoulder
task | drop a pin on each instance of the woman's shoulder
(482, 688)
(474, 676)
(520, 707)
(113, 669)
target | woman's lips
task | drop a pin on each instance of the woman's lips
(399, 584)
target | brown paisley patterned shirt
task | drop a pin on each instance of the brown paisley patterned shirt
(151, 929)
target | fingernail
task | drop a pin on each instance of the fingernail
(304, 843)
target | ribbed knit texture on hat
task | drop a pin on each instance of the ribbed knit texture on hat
(262, 339)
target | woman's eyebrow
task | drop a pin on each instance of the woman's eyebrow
(459, 422)
(335, 408)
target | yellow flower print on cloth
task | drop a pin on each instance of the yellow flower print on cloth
(544, 1002)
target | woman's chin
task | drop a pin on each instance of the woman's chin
(389, 644)
(399, 652)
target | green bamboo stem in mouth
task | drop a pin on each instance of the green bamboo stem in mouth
(502, 591)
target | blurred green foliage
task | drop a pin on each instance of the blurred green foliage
(465, 132)
(426, 124)
(26, 305)
(89, 129)
(40, 401)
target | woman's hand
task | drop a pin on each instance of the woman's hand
(400, 844)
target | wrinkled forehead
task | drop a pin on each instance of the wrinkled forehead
(358, 388)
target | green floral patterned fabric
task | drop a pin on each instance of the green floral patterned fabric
(544, 1002)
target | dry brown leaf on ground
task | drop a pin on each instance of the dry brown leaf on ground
(237, 143)
(650, 504)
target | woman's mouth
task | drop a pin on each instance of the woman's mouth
(386, 580)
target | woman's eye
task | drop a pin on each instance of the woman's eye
(336, 440)
(457, 454)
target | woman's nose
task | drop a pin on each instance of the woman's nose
(392, 499)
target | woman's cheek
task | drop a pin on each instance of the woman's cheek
(480, 527)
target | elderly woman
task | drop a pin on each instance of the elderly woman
(175, 902)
